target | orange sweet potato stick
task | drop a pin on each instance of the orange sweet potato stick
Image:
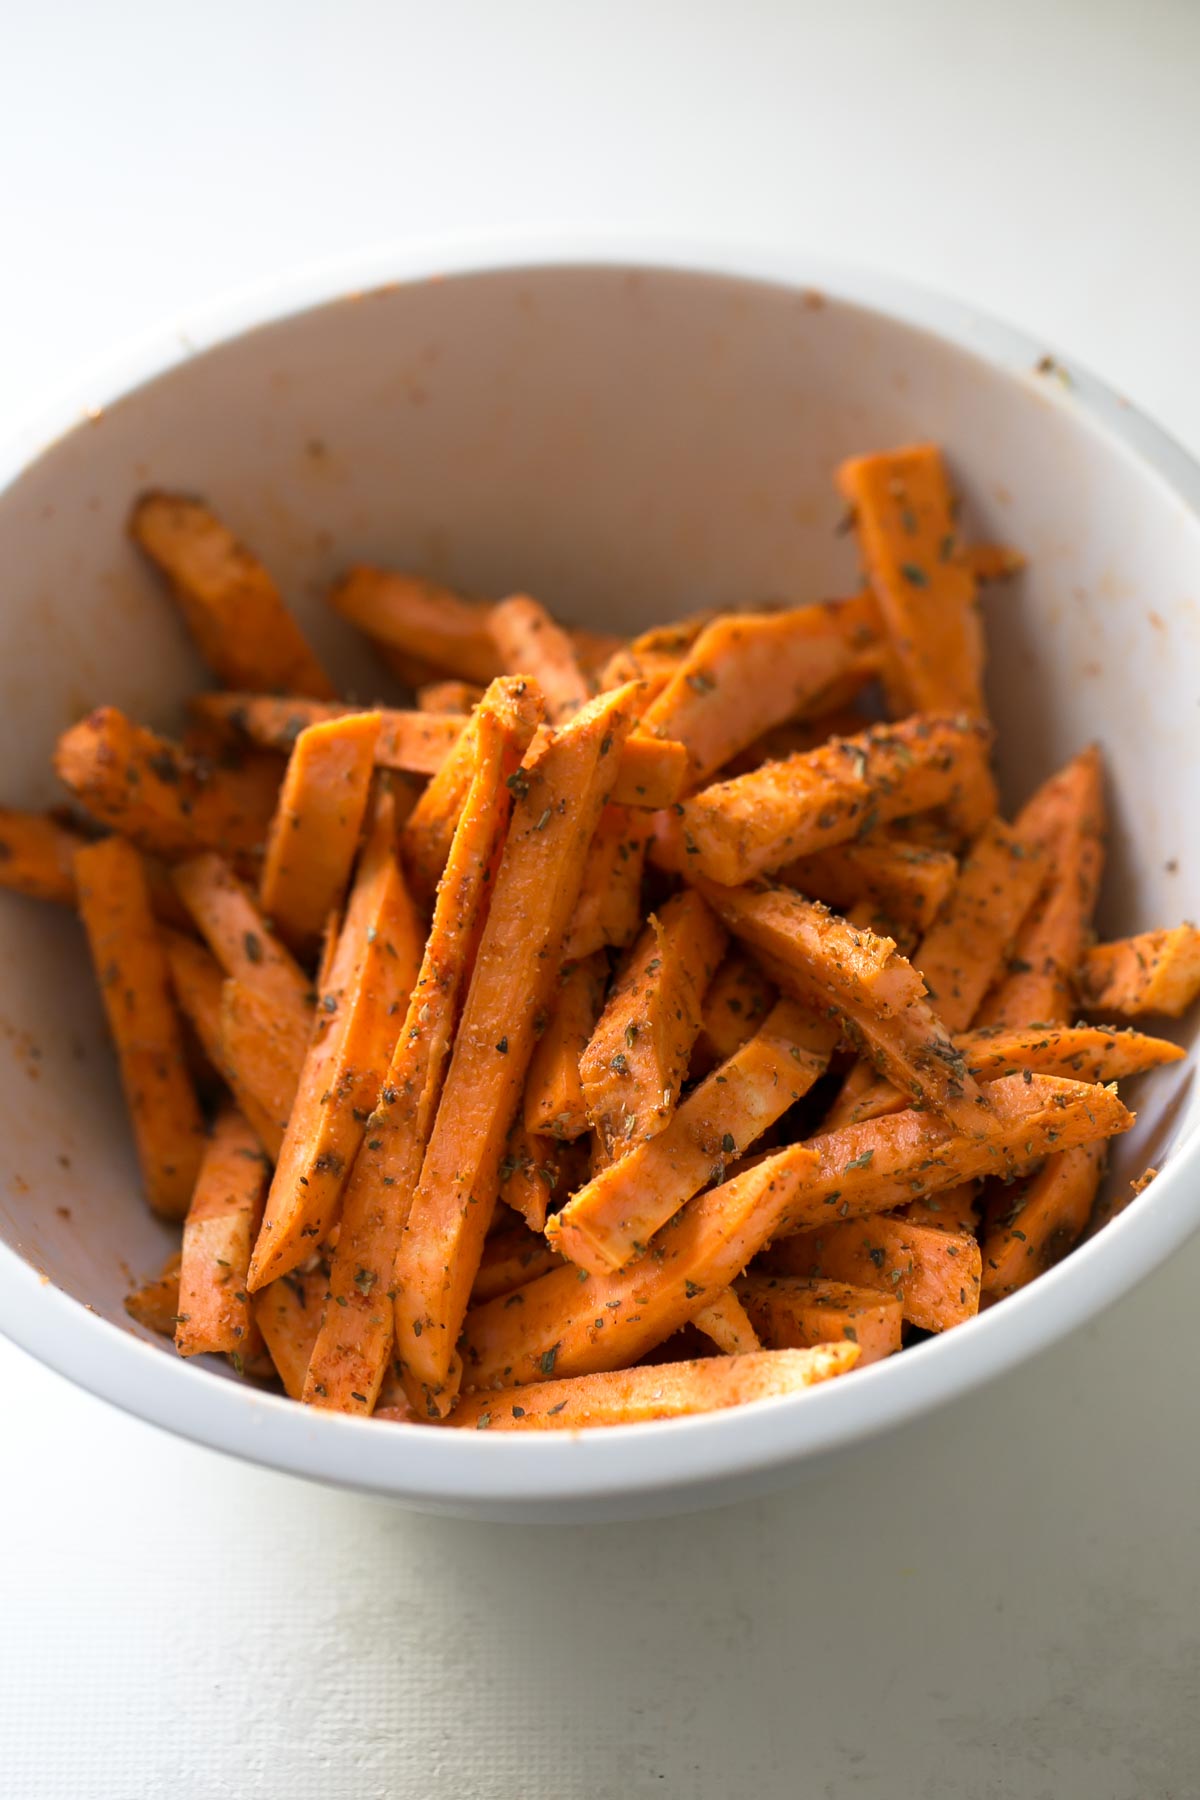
(529, 1174)
(760, 821)
(1028, 1227)
(355, 1341)
(314, 835)
(738, 1000)
(260, 1051)
(239, 937)
(790, 1314)
(359, 1015)
(636, 1062)
(422, 618)
(511, 1257)
(1155, 972)
(904, 516)
(951, 1209)
(415, 742)
(610, 1222)
(569, 1322)
(724, 1319)
(528, 642)
(231, 606)
(558, 803)
(222, 1220)
(449, 696)
(135, 985)
(150, 790)
(288, 1314)
(554, 1101)
(867, 983)
(609, 909)
(156, 1303)
(746, 672)
(1065, 819)
(908, 882)
(37, 855)
(934, 1273)
(655, 654)
(663, 1391)
(199, 986)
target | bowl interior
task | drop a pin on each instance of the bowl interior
(628, 445)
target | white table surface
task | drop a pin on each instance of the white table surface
(1002, 1601)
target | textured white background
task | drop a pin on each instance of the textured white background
(1002, 1603)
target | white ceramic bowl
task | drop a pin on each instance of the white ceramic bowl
(627, 435)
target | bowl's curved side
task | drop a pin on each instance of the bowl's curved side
(629, 442)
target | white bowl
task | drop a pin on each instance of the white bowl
(627, 435)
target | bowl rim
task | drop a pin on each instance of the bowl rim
(623, 1463)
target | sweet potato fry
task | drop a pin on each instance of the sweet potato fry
(261, 1049)
(746, 672)
(877, 994)
(528, 642)
(789, 1313)
(558, 803)
(1029, 1227)
(222, 1220)
(198, 982)
(529, 1174)
(135, 985)
(288, 1314)
(239, 937)
(906, 881)
(358, 1020)
(739, 998)
(904, 517)
(636, 1062)
(156, 1303)
(951, 1209)
(609, 911)
(150, 790)
(37, 855)
(417, 743)
(233, 609)
(422, 618)
(511, 1257)
(1155, 972)
(962, 954)
(663, 1391)
(554, 1098)
(610, 1222)
(569, 1322)
(451, 696)
(1065, 819)
(651, 774)
(314, 834)
(737, 829)
(653, 655)
(352, 1351)
(726, 1322)
(935, 1274)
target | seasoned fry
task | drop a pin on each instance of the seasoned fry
(352, 1351)
(529, 1174)
(1029, 1227)
(199, 992)
(739, 998)
(746, 672)
(222, 1220)
(558, 804)
(288, 1314)
(239, 937)
(358, 1019)
(609, 909)
(634, 1066)
(609, 1223)
(826, 962)
(415, 742)
(554, 1098)
(37, 855)
(664, 1391)
(451, 696)
(791, 1314)
(261, 1049)
(756, 822)
(167, 802)
(315, 831)
(229, 603)
(908, 882)
(422, 618)
(528, 642)
(135, 985)
(1155, 972)
(904, 518)
(156, 1303)
(725, 1321)
(511, 1257)
(934, 1273)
